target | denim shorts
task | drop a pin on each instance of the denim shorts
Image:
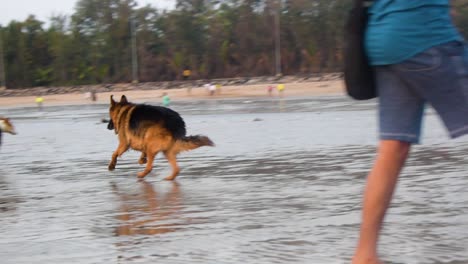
(438, 76)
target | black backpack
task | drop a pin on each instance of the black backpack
(358, 74)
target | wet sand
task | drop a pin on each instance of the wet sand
(282, 185)
(256, 91)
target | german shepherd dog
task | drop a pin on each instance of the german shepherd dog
(6, 126)
(150, 129)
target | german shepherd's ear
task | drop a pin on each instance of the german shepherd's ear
(112, 102)
(123, 99)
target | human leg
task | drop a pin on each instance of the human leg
(400, 119)
(380, 186)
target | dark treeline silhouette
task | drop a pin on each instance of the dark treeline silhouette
(212, 38)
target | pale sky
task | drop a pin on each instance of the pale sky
(43, 9)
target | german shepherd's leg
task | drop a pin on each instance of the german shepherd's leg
(117, 153)
(172, 158)
(149, 164)
(142, 159)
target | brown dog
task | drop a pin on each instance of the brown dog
(150, 129)
(6, 126)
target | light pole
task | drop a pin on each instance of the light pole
(2, 62)
(134, 50)
(277, 38)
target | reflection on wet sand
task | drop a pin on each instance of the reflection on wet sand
(146, 213)
(281, 105)
(8, 201)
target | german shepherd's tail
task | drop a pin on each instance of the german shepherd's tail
(192, 142)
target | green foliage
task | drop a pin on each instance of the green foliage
(212, 38)
(43, 76)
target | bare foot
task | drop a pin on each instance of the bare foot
(361, 259)
(142, 174)
(170, 178)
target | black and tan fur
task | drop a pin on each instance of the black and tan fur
(150, 129)
(6, 126)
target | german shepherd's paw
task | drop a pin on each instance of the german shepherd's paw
(111, 166)
(142, 161)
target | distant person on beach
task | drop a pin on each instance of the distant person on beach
(166, 100)
(280, 88)
(186, 74)
(212, 89)
(91, 95)
(207, 87)
(270, 90)
(418, 58)
(39, 101)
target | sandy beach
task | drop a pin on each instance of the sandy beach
(332, 87)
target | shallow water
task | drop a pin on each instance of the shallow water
(283, 185)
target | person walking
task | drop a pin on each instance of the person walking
(39, 101)
(280, 88)
(166, 100)
(419, 58)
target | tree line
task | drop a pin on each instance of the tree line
(112, 41)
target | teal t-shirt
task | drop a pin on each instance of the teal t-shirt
(400, 29)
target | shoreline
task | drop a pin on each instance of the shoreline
(292, 89)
